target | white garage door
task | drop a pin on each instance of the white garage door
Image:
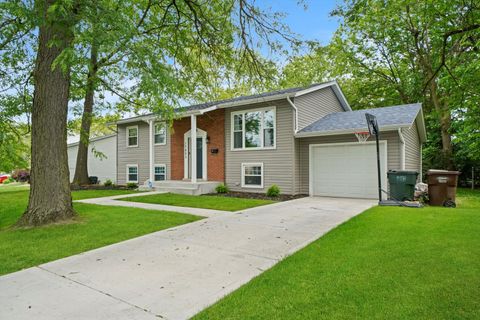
(346, 169)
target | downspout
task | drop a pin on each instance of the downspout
(295, 129)
(402, 149)
(296, 114)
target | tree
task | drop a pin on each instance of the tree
(150, 56)
(413, 46)
(182, 47)
(50, 198)
(396, 52)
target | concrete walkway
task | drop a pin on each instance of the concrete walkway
(174, 273)
(114, 201)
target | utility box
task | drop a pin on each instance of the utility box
(402, 184)
(442, 187)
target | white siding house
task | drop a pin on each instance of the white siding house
(104, 167)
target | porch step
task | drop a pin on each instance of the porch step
(186, 187)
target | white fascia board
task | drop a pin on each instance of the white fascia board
(349, 131)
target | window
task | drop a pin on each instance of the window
(132, 173)
(160, 172)
(160, 133)
(132, 136)
(253, 129)
(252, 175)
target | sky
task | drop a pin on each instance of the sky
(314, 23)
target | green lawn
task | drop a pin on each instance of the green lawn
(206, 202)
(97, 226)
(387, 263)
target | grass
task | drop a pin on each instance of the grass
(86, 194)
(206, 202)
(97, 226)
(388, 262)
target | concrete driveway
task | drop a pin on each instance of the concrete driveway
(174, 273)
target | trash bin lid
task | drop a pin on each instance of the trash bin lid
(442, 172)
(402, 172)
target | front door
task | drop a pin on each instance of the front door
(199, 158)
(201, 164)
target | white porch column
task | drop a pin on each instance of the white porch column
(151, 158)
(193, 148)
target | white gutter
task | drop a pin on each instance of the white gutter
(402, 149)
(347, 131)
(296, 114)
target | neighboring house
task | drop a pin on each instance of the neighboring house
(102, 158)
(301, 139)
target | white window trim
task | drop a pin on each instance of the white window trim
(248, 164)
(159, 165)
(136, 145)
(232, 126)
(165, 134)
(128, 175)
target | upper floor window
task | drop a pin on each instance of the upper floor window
(160, 133)
(254, 129)
(132, 136)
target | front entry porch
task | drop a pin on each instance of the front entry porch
(186, 187)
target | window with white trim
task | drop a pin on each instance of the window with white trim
(253, 129)
(160, 172)
(132, 173)
(132, 136)
(160, 134)
(252, 175)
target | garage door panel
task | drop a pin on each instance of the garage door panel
(346, 170)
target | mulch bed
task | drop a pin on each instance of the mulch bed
(261, 196)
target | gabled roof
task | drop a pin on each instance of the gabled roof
(388, 118)
(255, 98)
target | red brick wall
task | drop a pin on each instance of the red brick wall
(214, 124)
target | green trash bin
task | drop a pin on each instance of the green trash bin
(402, 184)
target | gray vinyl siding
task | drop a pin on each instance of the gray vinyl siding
(161, 154)
(315, 105)
(393, 154)
(278, 163)
(133, 155)
(412, 149)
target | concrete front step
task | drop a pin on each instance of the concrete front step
(186, 187)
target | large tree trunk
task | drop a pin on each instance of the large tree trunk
(445, 124)
(81, 169)
(50, 199)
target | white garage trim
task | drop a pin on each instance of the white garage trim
(383, 145)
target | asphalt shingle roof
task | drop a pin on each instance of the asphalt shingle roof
(355, 120)
(205, 105)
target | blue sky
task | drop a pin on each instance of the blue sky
(314, 23)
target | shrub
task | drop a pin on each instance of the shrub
(108, 183)
(273, 191)
(221, 188)
(132, 185)
(21, 175)
(9, 180)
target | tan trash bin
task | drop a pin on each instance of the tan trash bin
(442, 187)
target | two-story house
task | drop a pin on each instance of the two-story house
(302, 139)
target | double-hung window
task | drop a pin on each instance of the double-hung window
(160, 134)
(160, 172)
(132, 173)
(254, 129)
(132, 136)
(252, 175)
